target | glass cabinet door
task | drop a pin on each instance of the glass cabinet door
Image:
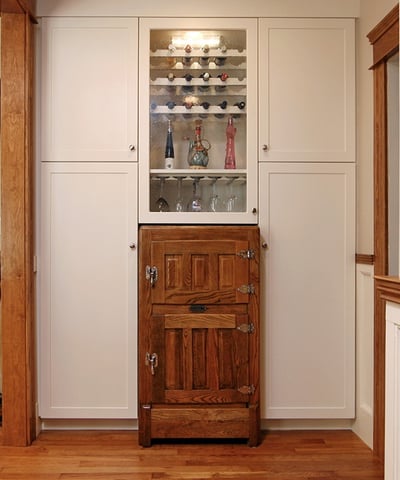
(198, 121)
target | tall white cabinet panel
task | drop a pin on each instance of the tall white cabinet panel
(392, 408)
(88, 269)
(307, 90)
(89, 76)
(307, 218)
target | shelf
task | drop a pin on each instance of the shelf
(199, 82)
(198, 52)
(197, 110)
(200, 172)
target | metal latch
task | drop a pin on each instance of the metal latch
(246, 328)
(152, 361)
(249, 254)
(247, 289)
(151, 274)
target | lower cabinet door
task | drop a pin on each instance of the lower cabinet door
(87, 284)
(198, 333)
(307, 215)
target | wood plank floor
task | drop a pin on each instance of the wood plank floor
(314, 455)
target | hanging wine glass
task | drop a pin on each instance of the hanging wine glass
(231, 201)
(161, 203)
(214, 201)
(195, 203)
(179, 200)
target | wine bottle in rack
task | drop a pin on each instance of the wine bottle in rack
(171, 105)
(223, 76)
(223, 104)
(240, 105)
(169, 148)
(230, 157)
(188, 77)
(171, 77)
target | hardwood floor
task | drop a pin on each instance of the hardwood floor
(300, 455)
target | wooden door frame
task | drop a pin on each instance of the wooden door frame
(17, 275)
(385, 41)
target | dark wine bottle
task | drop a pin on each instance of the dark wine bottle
(205, 105)
(169, 148)
(223, 104)
(240, 105)
(188, 77)
(171, 105)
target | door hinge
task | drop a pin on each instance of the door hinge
(247, 389)
(151, 274)
(247, 289)
(246, 328)
(249, 254)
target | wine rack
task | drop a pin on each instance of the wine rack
(190, 80)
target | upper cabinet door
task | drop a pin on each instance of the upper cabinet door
(198, 120)
(307, 90)
(89, 89)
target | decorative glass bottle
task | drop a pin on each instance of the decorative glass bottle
(198, 149)
(230, 158)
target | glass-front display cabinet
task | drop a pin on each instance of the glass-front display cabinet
(198, 120)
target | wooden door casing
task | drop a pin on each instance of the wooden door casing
(203, 326)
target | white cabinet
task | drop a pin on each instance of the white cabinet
(196, 76)
(88, 295)
(307, 90)
(307, 219)
(392, 395)
(89, 81)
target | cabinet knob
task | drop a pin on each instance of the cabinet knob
(264, 245)
(132, 148)
(265, 147)
(132, 246)
(254, 210)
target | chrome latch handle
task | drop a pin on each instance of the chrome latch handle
(151, 274)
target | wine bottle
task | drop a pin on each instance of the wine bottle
(205, 105)
(170, 77)
(223, 104)
(230, 157)
(188, 77)
(240, 105)
(205, 76)
(171, 105)
(223, 76)
(169, 148)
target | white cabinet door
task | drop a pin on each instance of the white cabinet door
(307, 90)
(88, 268)
(89, 89)
(307, 214)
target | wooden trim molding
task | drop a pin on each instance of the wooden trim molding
(17, 276)
(385, 40)
(385, 36)
(364, 259)
(388, 288)
(19, 6)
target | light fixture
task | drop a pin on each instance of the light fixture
(195, 39)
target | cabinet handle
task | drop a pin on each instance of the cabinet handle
(132, 246)
(264, 245)
(265, 147)
(254, 210)
(132, 148)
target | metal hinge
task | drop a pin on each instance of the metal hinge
(246, 328)
(151, 274)
(249, 254)
(247, 288)
(247, 389)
